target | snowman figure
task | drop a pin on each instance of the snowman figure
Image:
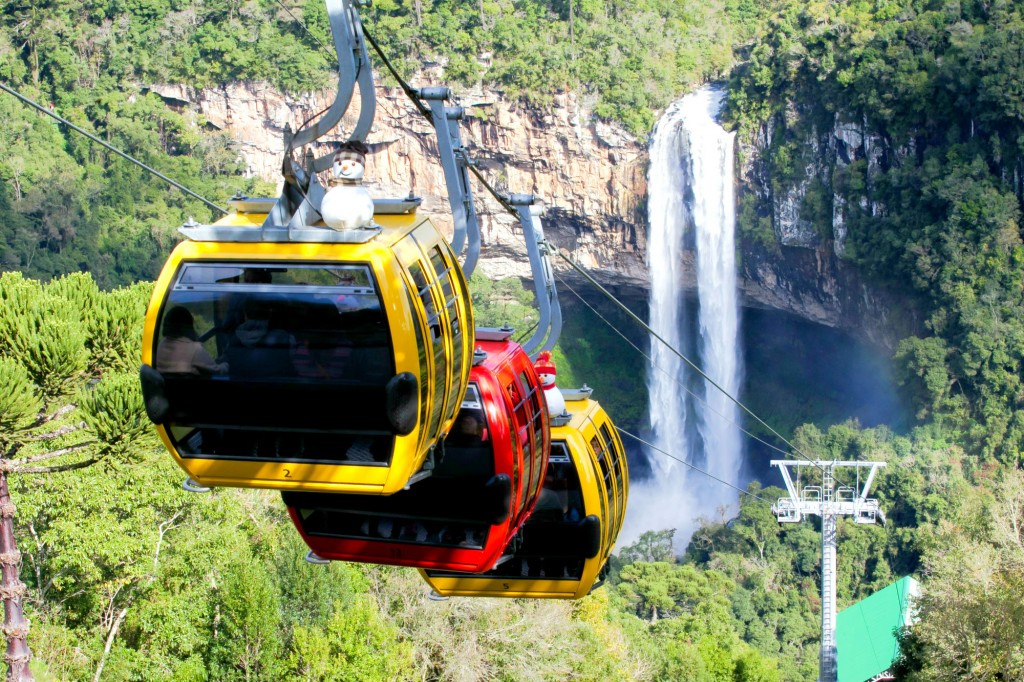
(347, 204)
(546, 372)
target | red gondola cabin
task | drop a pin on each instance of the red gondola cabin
(463, 516)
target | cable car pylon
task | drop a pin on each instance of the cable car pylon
(828, 502)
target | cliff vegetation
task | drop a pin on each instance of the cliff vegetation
(894, 128)
(906, 112)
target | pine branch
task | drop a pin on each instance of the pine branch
(49, 455)
(62, 431)
(58, 468)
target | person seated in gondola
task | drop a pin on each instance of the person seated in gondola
(229, 311)
(180, 351)
(550, 506)
(413, 531)
(321, 350)
(313, 361)
(468, 431)
(257, 349)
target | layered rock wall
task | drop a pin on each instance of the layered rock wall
(592, 178)
(590, 175)
(805, 272)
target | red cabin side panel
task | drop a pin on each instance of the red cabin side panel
(399, 529)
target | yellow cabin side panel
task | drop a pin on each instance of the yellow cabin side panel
(408, 452)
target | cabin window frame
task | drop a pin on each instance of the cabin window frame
(616, 471)
(520, 444)
(536, 432)
(604, 477)
(447, 287)
(425, 293)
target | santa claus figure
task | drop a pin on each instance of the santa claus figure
(546, 371)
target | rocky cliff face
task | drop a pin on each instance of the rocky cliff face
(592, 178)
(590, 175)
(805, 272)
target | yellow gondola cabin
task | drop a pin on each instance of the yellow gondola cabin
(564, 546)
(330, 363)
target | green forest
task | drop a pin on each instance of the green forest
(130, 578)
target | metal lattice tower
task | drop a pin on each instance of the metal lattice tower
(829, 502)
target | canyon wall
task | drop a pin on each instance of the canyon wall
(592, 178)
(804, 270)
(590, 175)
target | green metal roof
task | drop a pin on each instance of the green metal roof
(865, 639)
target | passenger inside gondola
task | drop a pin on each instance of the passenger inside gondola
(180, 351)
(468, 431)
(321, 349)
(229, 310)
(257, 348)
(337, 521)
(467, 449)
(295, 343)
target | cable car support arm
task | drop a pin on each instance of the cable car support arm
(456, 162)
(549, 326)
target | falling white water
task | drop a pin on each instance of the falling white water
(691, 199)
(666, 212)
(714, 214)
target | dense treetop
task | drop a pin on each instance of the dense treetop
(933, 199)
(127, 573)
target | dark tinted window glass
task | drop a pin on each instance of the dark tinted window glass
(536, 432)
(522, 428)
(257, 356)
(614, 461)
(514, 396)
(605, 490)
(421, 351)
(468, 448)
(377, 527)
(254, 275)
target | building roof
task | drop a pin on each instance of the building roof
(865, 632)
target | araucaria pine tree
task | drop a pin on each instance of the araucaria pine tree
(69, 399)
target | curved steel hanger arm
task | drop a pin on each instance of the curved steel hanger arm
(455, 162)
(549, 327)
(367, 93)
(352, 61)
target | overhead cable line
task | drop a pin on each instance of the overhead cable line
(406, 88)
(693, 365)
(665, 372)
(117, 151)
(681, 461)
(504, 202)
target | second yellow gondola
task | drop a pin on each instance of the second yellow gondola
(330, 366)
(564, 546)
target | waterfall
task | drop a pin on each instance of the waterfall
(666, 213)
(714, 216)
(691, 208)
